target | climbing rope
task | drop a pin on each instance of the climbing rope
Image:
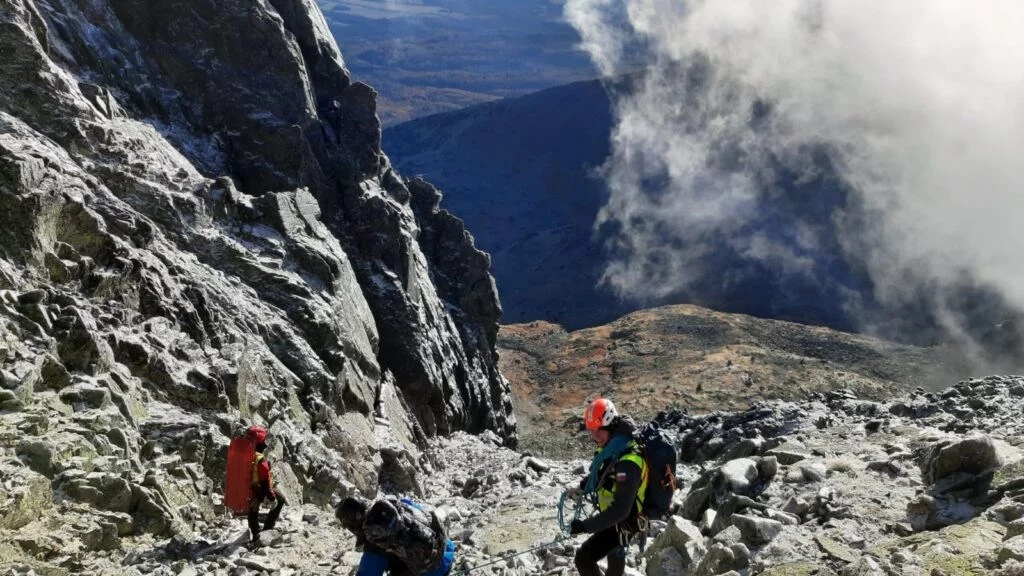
(506, 557)
(579, 504)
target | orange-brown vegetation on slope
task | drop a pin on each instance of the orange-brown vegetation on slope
(698, 359)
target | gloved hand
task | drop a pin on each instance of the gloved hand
(575, 527)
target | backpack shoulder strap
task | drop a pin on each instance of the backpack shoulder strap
(259, 457)
(635, 454)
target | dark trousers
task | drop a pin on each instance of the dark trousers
(599, 545)
(254, 514)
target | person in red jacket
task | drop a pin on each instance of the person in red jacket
(262, 486)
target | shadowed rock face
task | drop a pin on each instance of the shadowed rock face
(198, 229)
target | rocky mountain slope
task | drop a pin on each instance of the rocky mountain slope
(920, 485)
(199, 230)
(924, 484)
(696, 359)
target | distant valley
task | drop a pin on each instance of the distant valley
(520, 172)
(523, 174)
(429, 56)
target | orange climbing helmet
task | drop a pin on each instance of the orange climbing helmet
(600, 413)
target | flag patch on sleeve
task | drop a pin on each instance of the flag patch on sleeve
(620, 476)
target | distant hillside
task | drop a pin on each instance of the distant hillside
(523, 174)
(520, 173)
(700, 360)
(429, 56)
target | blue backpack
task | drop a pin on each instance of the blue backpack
(405, 531)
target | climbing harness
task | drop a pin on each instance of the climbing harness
(643, 525)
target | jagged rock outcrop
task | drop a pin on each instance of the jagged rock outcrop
(839, 485)
(198, 229)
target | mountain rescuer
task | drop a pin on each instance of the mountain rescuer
(262, 487)
(397, 536)
(618, 475)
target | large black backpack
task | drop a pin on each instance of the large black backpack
(407, 532)
(660, 455)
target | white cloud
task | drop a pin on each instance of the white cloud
(919, 102)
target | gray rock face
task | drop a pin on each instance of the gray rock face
(200, 231)
(289, 119)
(728, 489)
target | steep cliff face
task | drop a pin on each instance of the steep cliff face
(198, 229)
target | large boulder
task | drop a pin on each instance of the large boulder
(727, 489)
(738, 475)
(722, 558)
(756, 530)
(960, 473)
(685, 541)
(973, 454)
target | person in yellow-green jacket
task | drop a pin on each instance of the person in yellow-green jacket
(618, 476)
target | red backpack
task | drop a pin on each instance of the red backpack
(238, 479)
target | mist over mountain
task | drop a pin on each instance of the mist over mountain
(899, 155)
(705, 194)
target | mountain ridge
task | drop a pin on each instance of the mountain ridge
(442, 55)
(531, 196)
(701, 361)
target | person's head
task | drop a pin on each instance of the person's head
(351, 512)
(600, 419)
(259, 437)
(257, 434)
